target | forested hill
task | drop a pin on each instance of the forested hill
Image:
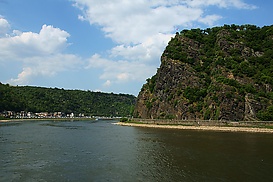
(220, 73)
(39, 99)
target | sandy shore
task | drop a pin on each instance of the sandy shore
(16, 120)
(8, 120)
(207, 128)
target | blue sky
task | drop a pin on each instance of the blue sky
(103, 45)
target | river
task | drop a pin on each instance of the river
(102, 151)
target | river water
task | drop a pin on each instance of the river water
(102, 151)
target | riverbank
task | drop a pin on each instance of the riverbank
(201, 128)
(44, 119)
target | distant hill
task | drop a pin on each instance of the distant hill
(220, 73)
(39, 99)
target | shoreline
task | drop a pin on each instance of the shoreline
(43, 119)
(166, 126)
(201, 128)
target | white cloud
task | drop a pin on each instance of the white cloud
(142, 30)
(80, 17)
(4, 27)
(48, 41)
(107, 83)
(135, 21)
(46, 66)
(221, 3)
(144, 52)
(23, 77)
(120, 71)
(241, 5)
(129, 22)
(40, 53)
(210, 19)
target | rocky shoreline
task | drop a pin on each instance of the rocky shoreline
(200, 128)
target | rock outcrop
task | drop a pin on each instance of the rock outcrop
(223, 73)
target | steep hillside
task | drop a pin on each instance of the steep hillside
(39, 99)
(221, 73)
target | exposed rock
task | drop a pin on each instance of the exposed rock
(209, 75)
(251, 107)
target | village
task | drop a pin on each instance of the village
(50, 115)
(29, 115)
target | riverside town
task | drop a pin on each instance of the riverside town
(24, 115)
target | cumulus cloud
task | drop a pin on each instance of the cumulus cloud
(142, 29)
(47, 66)
(135, 21)
(120, 71)
(40, 53)
(210, 19)
(221, 3)
(145, 51)
(48, 41)
(4, 27)
(107, 83)
(23, 77)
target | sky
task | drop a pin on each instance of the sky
(104, 45)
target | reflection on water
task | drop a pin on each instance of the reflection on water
(101, 151)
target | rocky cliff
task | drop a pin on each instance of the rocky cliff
(221, 73)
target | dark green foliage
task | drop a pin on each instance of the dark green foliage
(149, 104)
(207, 114)
(257, 39)
(228, 81)
(197, 108)
(3, 118)
(244, 51)
(38, 99)
(248, 88)
(151, 83)
(169, 116)
(195, 94)
(124, 120)
(266, 115)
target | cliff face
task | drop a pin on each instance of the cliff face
(223, 73)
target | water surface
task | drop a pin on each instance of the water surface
(101, 151)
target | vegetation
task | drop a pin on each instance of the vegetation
(258, 40)
(39, 99)
(124, 119)
(266, 115)
(195, 94)
(231, 63)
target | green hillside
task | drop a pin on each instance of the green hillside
(39, 99)
(220, 73)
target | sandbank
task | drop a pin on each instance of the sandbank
(202, 128)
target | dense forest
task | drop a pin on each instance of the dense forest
(221, 73)
(39, 99)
